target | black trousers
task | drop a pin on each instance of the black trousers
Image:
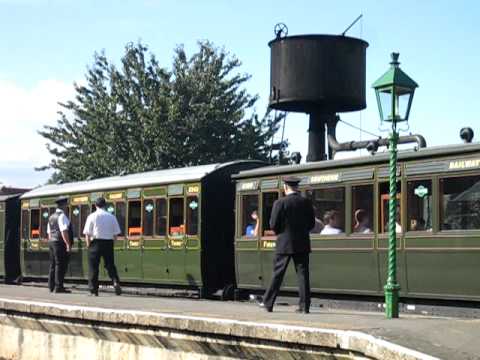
(280, 264)
(58, 264)
(100, 249)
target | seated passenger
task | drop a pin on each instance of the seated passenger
(361, 222)
(253, 226)
(417, 225)
(331, 219)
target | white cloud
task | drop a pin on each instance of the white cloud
(23, 112)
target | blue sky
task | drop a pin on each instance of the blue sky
(46, 45)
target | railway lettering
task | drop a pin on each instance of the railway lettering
(464, 164)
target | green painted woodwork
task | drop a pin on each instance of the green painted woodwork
(175, 189)
(48, 202)
(443, 272)
(156, 191)
(193, 273)
(250, 272)
(344, 271)
(154, 262)
(129, 264)
(176, 265)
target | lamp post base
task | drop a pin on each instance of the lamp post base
(391, 300)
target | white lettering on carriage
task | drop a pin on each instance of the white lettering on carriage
(464, 164)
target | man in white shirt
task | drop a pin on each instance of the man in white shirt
(101, 230)
(59, 245)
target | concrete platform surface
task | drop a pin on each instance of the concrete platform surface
(442, 337)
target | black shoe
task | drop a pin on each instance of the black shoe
(118, 289)
(262, 305)
(93, 293)
(302, 311)
(62, 291)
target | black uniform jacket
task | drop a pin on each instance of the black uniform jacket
(292, 219)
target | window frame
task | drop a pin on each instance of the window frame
(400, 201)
(240, 235)
(439, 203)
(168, 216)
(153, 200)
(435, 205)
(127, 219)
(197, 195)
(342, 185)
(350, 206)
(30, 233)
(261, 235)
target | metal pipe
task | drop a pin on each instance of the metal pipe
(372, 145)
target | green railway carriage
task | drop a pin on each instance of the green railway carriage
(438, 224)
(177, 225)
(9, 245)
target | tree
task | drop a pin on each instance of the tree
(141, 116)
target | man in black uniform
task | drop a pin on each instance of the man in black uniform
(292, 219)
(59, 244)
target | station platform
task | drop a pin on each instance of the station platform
(363, 335)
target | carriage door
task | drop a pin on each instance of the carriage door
(247, 257)
(176, 233)
(267, 235)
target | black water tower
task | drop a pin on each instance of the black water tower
(320, 75)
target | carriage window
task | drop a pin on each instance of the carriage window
(44, 214)
(25, 224)
(192, 215)
(148, 208)
(177, 227)
(384, 193)
(250, 219)
(120, 214)
(135, 218)
(267, 205)
(75, 219)
(460, 203)
(35, 223)
(161, 217)
(84, 212)
(419, 205)
(329, 207)
(362, 209)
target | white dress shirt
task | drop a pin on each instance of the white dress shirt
(63, 221)
(101, 225)
(330, 230)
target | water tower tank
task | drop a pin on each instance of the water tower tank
(317, 72)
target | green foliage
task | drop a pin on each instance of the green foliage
(141, 116)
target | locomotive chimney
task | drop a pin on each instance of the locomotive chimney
(321, 75)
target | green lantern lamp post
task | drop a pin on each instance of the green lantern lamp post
(394, 91)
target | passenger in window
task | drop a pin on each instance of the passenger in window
(332, 220)
(254, 225)
(417, 225)
(362, 221)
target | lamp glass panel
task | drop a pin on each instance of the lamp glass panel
(385, 97)
(402, 102)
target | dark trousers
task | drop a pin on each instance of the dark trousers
(58, 264)
(97, 250)
(280, 264)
